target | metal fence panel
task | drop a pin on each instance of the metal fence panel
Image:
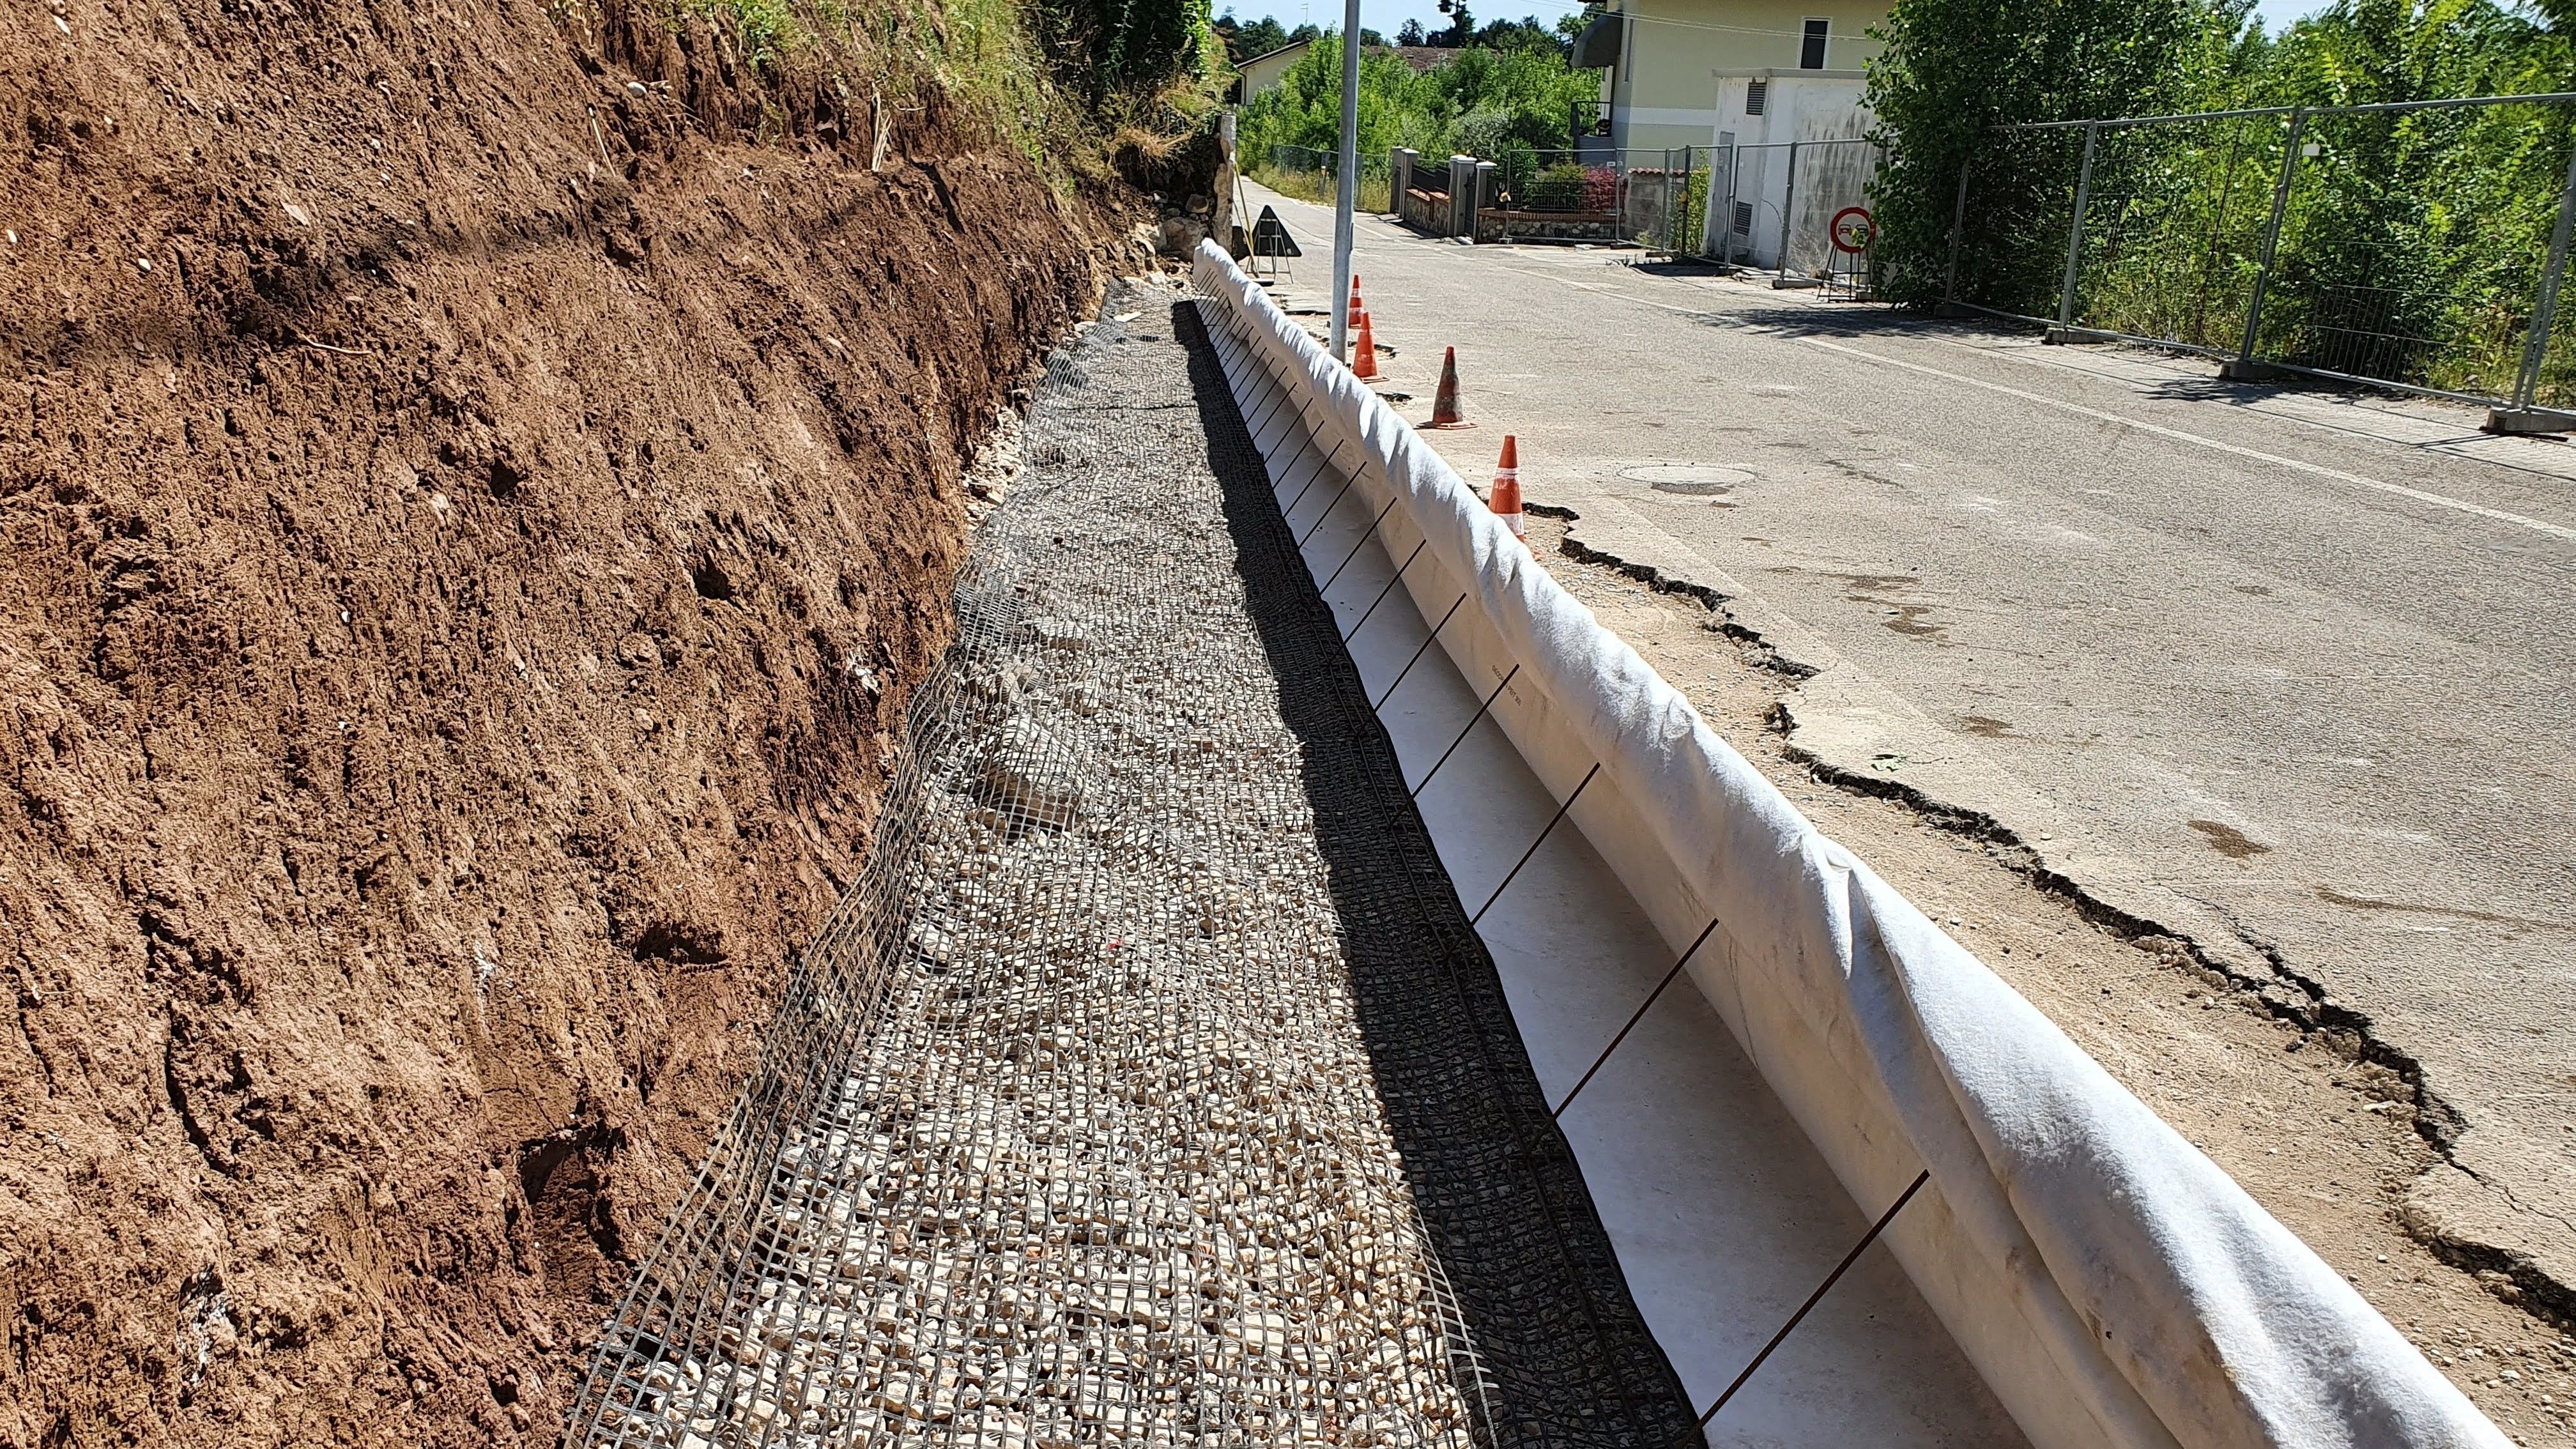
(1596, 193)
(2413, 246)
(1772, 206)
(2174, 222)
(2407, 256)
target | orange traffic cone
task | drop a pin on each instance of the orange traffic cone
(1364, 353)
(1507, 490)
(1444, 406)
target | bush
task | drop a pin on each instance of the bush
(1480, 133)
(1496, 100)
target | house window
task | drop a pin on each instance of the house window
(1811, 48)
(1755, 93)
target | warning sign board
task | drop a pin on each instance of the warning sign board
(1271, 239)
(1854, 229)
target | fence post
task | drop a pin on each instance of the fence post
(2075, 235)
(1673, 215)
(2243, 368)
(2544, 310)
(1708, 232)
(1788, 209)
(1958, 227)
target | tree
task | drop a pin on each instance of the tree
(1462, 26)
(1109, 46)
(1303, 32)
(1505, 100)
(1243, 42)
(1953, 70)
(1522, 34)
(1410, 33)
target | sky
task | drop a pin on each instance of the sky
(1387, 16)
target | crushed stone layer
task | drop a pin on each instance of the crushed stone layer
(1153, 1089)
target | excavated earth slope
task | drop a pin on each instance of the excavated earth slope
(472, 511)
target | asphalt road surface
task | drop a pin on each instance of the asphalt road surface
(2286, 674)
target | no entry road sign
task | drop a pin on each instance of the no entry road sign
(1853, 230)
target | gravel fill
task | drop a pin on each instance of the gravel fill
(1152, 1089)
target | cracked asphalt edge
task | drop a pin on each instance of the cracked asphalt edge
(2255, 971)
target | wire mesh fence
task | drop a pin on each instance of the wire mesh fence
(1650, 198)
(1312, 174)
(2414, 246)
(1786, 208)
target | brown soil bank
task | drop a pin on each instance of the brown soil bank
(469, 527)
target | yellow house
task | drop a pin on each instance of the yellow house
(1683, 72)
(1263, 72)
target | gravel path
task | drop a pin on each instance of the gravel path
(1154, 1091)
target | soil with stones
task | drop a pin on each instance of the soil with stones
(472, 514)
(2322, 1139)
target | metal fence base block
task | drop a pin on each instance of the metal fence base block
(2528, 421)
(1792, 284)
(2072, 337)
(2237, 369)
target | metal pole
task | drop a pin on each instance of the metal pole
(1735, 200)
(2075, 234)
(1788, 199)
(2544, 311)
(1959, 224)
(2271, 238)
(1672, 218)
(1222, 220)
(1346, 197)
(1708, 232)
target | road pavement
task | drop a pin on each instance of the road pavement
(2284, 674)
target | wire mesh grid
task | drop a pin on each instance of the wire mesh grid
(2413, 242)
(1102, 1110)
(2407, 245)
(2173, 228)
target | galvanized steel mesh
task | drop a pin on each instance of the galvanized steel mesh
(1149, 1088)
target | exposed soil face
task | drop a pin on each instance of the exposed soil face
(469, 531)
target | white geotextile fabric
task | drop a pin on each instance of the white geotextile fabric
(2153, 1302)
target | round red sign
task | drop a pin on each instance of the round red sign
(1854, 229)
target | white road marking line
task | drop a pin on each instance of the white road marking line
(2176, 434)
(1614, 291)
(2475, 447)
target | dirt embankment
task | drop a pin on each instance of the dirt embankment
(469, 529)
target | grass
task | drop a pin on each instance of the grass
(1375, 193)
(985, 57)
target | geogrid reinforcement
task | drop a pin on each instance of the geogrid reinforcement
(1150, 1087)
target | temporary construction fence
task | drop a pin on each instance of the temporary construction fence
(2109, 1281)
(2415, 245)
(1775, 207)
(1648, 198)
(1312, 174)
